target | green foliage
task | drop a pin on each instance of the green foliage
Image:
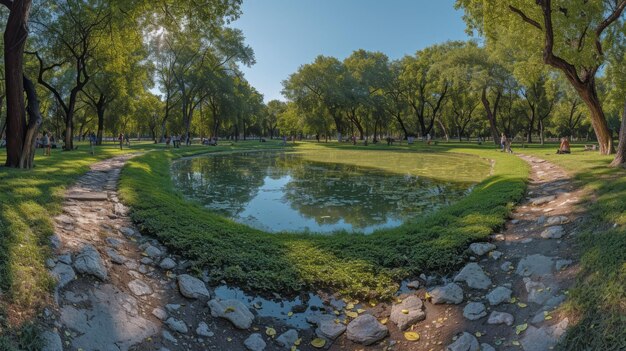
(361, 266)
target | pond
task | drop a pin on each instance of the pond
(324, 191)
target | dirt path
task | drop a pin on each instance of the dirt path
(119, 290)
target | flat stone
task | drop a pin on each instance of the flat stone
(413, 284)
(450, 293)
(160, 313)
(203, 330)
(495, 254)
(480, 249)
(536, 265)
(167, 263)
(544, 338)
(465, 342)
(556, 220)
(288, 338)
(127, 231)
(192, 287)
(146, 260)
(562, 264)
(139, 287)
(474, 276)
(366, 329)
(152, 251)
(63, 274)
(255, 342)
(554, 232)
(554, 302)
(90, 196)
(177, 325)
(499, 295)
(538, 201)
(51, 341)
(65, 219)
(115, 243)
(88, 261)
(500, 318)
(328, 329)
(115, 256)
(50, 263)
(111, 317)
(474, 311)
(172, 307)
(169, 337)
(486, 347)
(232, 310)
(408, 312)
(65, 258)
(506, 266)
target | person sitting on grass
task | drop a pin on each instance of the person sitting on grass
(564, 147)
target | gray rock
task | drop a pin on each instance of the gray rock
(55, 242)
(146, 260)
(50, 263)
(465, 342)
(413, 307)
(499, 295)
(554, 302)
(203, 330)
(544, 338)
(541, 220)
(413, 285)
(115, 256)
(495, 254)
(177, 325)
(167, 263)
(538, 201)
(514, 221)
(366, 329)
(537, 291)
(480, 249)
(555, 232)
(88, 261)
(474, 311)
(474, 276)
(172, 307)
(160, 313)
(562, 264)
(288, 338)
(51, 341)
(232, 310)
(65, 258)
(127, 231)
(328, 329)
(169, 337)
(450, 293)
(500, 318)
(556, 220)
(152, 251)
(506, 266)
(255, 342)
(536, 265)
(115, 243)
(139, 287)
(486, 347)
(192, 287)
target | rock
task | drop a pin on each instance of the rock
(115, 256)
(50, 263)
(537, 292)
(555, 232)
(506, 266)
(177, 325)
(65, 258)
(554, 302)
(203, 330)
(169, 337)
(127, 231)
(413, 285)
(541, 220)
(328, 329)
(474, 311)
(172, 307)
(139, 287)
(495, 254)
(255, 342)
(544, 338)
(465, 342)
(288, 338)
(51, 341)
(480, 249)
(562, 264)
(451, 293)
(167, 263)
(152, 251)
(534, 265)
(473, 276)
(408, 312)
(514, 221)
(65, 219)
(191, 287)
(499, 295)
(115, 243)
(146, 260)
(557, 220)
(366, 329)
(526, 241)
(55, 242)
(538, 201)
(486, 347)
(160, 313)
(232, 310)
(88, 261)
(500, 318)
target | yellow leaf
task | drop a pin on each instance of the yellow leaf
(427, 296)
(405, 311)
(318, 343)
(513, 300)
(515, 342)
(229, 339)
(336, 312)
(229, 309)
(522, 305)
(349, 306)
(384, 321)
(360, 310)
(270, 331)
(289, 314)
(293, 348)
(298, 342)
(478, 334)
(520, 328)
(257, 306)
(352, 314)
(411, 336)
(547, 318)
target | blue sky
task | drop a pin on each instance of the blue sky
(288, 33)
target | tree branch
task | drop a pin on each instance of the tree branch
(617, 12)
(524, 17)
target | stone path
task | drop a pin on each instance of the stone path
(120, 290)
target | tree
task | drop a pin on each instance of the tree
(274, 108)
(573, 37)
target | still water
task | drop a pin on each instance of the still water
(309, 192)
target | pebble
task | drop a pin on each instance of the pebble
(88, 261)
(474, 311)
(160, 313)
(167, 263)
(499, 295)
(192, 287)
(366, 329)
(480, 249)
(450, 293)
(465, 342)
(500, 318)
(177, 325)
(255, 342)
(474, 276)
(288, 338)
(203, 330)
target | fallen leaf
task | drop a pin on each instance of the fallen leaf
(289, 314)
(405, 311)
(318, 343)
(384, 321)
(515, 342)
(520, 328)
(360, 310)
(412, 336)
(229, 309)
(352, 314)
(270, 331)
(522, 305)
(298, 342)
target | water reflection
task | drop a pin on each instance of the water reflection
(282, 191)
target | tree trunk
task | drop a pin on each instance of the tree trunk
(34, 122)
(100, 111)
(491, 115)
(620, 157)
(15, 34)
(598, 120)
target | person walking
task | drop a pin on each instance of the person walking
(121, 140)
(92, 142)
(46, 144)
(503, 142)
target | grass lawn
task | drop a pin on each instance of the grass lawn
(364, 267)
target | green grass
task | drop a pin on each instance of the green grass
(366, 267)
(598, 299)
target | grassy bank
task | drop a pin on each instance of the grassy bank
(360, 266)
(598, 299)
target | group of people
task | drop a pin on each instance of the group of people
(564, 147)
